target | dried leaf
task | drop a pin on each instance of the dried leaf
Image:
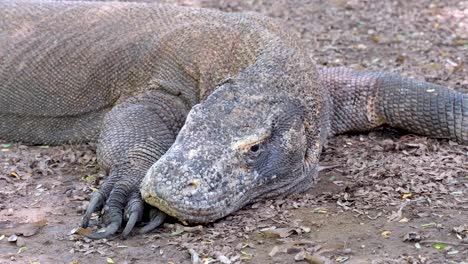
(435, 66)
(341, 259)
(90, 178)
(319, 211)
(223, 259)
(428, 225)
(300, 256)
(406, 195)
(386, 234)
(21, 249)
(273, 251)
(316, 259)
(15, 175)
(438, 246)
(400, 59)
(246, 255)
(31, 229)
(375, 38)
(81, 231)
(195, 258)
(458, 68)
(6, 146)
(460, 41)
(462, 229)
(278, 232)
(208, 260)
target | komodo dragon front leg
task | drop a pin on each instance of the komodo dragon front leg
(134, 135)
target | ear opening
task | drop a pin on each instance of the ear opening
(314, 146)
(309, 159)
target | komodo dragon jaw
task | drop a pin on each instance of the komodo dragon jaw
(234, 149)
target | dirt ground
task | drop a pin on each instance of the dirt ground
(385, 197)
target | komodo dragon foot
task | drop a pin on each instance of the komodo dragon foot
(121, 202)
(134, 136)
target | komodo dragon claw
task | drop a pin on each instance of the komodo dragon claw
(113, 212)
(157, 217)
(96, 201)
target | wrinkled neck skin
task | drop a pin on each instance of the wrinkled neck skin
(257, 136)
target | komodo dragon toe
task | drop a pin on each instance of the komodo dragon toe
(121, 202)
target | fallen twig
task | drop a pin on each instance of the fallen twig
(442, 242)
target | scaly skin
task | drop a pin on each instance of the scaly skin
(196, 112)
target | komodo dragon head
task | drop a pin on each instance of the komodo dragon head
(244, 143)
(235, 148)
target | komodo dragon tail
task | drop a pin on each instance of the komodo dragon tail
(363, 100)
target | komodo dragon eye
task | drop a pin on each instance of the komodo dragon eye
(254, 144)
(255, 148)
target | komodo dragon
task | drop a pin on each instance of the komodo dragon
(196, 112)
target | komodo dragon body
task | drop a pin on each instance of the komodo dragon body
(196, 112)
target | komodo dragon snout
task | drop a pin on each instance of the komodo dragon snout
(234, 149)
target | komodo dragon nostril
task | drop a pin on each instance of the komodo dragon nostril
(194, 183)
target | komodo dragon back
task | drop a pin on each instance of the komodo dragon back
(195, 112)
(65, 65)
